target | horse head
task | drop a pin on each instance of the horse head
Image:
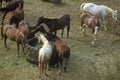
(39, 38)
(115, 15)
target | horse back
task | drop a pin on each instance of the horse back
(62, 49)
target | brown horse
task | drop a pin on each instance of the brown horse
(90, 21)
(16, 9)
(57, 23)
(30, 31)
(24, 26)
(61, 52)
(9, 31)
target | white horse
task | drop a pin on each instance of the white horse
(44, 55)
(99, 11)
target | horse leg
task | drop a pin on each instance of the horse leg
(104, 23)
(5, 41)
(62, 32)
(95, 30)
(82, 28)
(65, 66)
(60, 67)
(55, 32)
(45, 68)
(39, 70)
(18, 49)
(68, 29)
(22, 46)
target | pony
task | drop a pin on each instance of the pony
(30, 31)
(9, 31)
(61, 53)
(16, 7)
(92, 22)
(44, 55)
(101, 11)
(56, 23)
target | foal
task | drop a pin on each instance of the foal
(44, 54)
(9, 31)
(90, 21)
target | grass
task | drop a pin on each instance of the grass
(86, 62)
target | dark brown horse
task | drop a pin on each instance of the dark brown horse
(9, 31)
(56, 23)
(90, 21)
(14, 5)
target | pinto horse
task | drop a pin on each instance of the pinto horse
(92, 22)
(9, 31)
(101, 11)
(56, 23)
(44, 54)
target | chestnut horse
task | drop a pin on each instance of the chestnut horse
(9, 31)
(44, 55)
(63, 52)
(57, 23)
(92, 22)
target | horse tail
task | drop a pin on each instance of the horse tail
(2, 31)
(4, 17)
(66, 56)
(81, 7)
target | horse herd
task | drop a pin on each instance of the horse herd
(21, 32)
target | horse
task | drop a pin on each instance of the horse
(101, 11)
(9, 31)
(44, 54)
(24, 26)
(92, 22)
(61, 53)
(14, 5)
(56, 23)
(30, 31)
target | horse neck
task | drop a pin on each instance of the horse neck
(109, 10)
(44, 41)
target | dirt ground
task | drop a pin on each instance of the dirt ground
(87, 62)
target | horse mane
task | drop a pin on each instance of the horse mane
(108, 9)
